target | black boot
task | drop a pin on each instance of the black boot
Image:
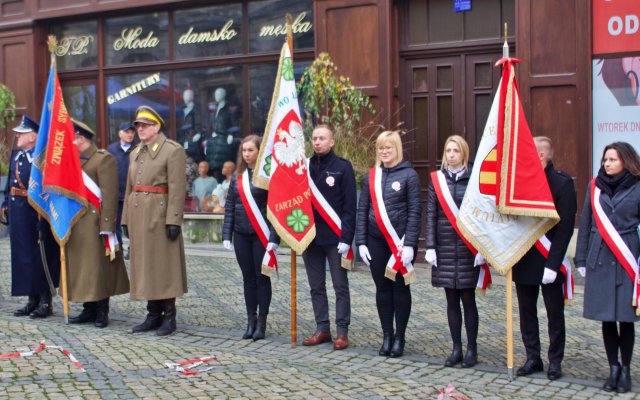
(261, 328)
(251, 327)
(455, 357)
(88, 313)
(397, 350)
(387, 341)
(614, 375)
(102, 313)
(32, 303)
(45, 307)
(471, 356)
(154, 317)
(168, 325)
(624, 383)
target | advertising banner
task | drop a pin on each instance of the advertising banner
(616, 26)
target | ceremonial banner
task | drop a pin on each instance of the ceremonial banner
(508, 205)
(281, 168)
(56, 188)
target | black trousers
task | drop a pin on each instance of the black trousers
(393, 299)
(554, 304)
(257, 287)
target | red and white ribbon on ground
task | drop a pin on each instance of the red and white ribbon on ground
(43, 346)
(94, 196)
(450, 391)
(191, 367)
(544, 245)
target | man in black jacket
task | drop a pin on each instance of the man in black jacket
(121, 151)
(534, 271)
(335, 180)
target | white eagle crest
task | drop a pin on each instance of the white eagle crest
(289, 150)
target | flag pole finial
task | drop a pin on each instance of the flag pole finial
(505, 46)
(52, 44)
(289, 18)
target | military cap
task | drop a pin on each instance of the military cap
(148, 116)
(125, 126)
(26, 125)
(82, 129)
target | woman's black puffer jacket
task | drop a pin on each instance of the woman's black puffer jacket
(402, 198)
(455, 268)
(236, 218)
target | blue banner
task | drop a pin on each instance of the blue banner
(461, 5)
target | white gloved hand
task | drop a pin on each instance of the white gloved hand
(549, 276)
(272, 246)
(364, 254)
(227, 244)
(582, 271)
(407, 255)
(431, 258)
(479, 260)
(343, 249)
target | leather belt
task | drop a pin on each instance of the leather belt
(18, 192)
(150, 189)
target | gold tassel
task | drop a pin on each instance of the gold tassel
(266, 270)
(410, 277)
(390, 273)
(346, 264)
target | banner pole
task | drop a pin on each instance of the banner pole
(509, 327)
(294, 317)
(63, 284)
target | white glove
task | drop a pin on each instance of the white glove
(343, 248)
(227, 244)
(272, 246)
(549, 276)
(407, 255)
(431, 258)
(479, 260)
(364, 254)
(582, 271)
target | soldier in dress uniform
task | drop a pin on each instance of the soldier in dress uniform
(93, 275)
(27, 271)
(152, 219)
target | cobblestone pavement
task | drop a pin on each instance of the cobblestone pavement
(210, 321)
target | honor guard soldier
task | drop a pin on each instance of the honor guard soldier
(94, 274)
(152, 219)
(30, 236)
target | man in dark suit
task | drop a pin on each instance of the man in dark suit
(121, 151)
(534, 271)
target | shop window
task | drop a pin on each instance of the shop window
(267, 27)
(141, 38)
(445, 119)
(77, 45)
(421, 127)
(80, 101)
(417, 16)
(209, 31)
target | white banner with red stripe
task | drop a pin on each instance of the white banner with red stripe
(613, 239)
(394, 265)
(330, 216)
(544, 245)
(94, 196)
(451, 211)
(269, 261)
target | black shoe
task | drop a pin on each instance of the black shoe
(455, 357)
(554, 372)
(611, 384)
(88, 314)
(45, 307)
(31, 305)
(261, 328)
(624, 383)
(530, 367)
(471, 356)
(154, 317)
(168, 325)
(102, 313)
(251, 327)
(397, 350)
(387, 342)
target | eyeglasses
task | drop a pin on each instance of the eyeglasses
(385, 149)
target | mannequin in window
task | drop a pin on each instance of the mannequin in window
(191, 138)
(220, 120)
(219, 147)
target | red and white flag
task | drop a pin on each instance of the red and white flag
(282, 168)
(94, 196)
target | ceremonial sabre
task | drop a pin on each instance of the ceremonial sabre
(43, 255)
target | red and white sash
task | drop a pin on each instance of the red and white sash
(269, 261)
(613, 239)
(330, 217)
(451, 211)
(394, 265)
(94, 196)
(543, 245)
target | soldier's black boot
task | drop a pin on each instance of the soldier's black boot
(45, 307)
(154, 317)
(32, 303)
(102, 313)
(261, 328)
(251, 327)
(168, 325)
(88, 313)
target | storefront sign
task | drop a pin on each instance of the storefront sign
(74, 45)
(299, 26)
(225, 33)
(461, 5)
(134, 88)
(130, 39)
(616, 26)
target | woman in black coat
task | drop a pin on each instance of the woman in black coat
(248, 247)
(453, 266)
(400, 191)
(608, 288)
